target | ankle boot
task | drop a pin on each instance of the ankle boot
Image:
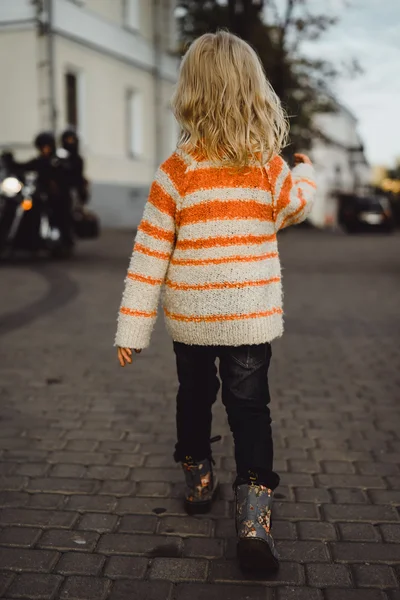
(201, 485)
(256, 549)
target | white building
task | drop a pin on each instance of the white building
(340, 163)
(103, 66)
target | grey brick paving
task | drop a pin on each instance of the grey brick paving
(89, 494)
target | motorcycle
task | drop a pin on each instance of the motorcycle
(25, 217)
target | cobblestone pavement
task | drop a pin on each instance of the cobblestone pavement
(89, 500)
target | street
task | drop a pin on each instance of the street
(90, 503)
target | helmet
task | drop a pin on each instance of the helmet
(70, 141)
(45, 138)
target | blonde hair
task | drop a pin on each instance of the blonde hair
(225, 105)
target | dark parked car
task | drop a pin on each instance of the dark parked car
(365, 213)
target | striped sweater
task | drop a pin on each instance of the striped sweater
(208, 241)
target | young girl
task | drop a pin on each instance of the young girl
(208, 238)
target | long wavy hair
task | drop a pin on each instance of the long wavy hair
(226, 108)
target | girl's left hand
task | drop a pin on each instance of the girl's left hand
(125, 355)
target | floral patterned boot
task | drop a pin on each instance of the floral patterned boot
(256, 549)
(201, 485)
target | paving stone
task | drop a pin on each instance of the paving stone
(40, 518)
(391, 533)
(13, 483)
(24, 537)
(80, 458)
(17, 559)
(57, 485)
(153, 489)
(117, 488)
(195, 591)
(338, 466)
(46, 501)
(149, 505)
(347, 512)
(360, 552)
(385, 496)
(317, 495)
(32, 469)
(377, 468)
(354, 595)
(141, 590)
(13, 499)
(137, 524)
(328, 575)
(100, 522)
(182, 569)
(68, 471)
(128, 460)
(107, 472)
(371, 576)
(228, 570)
(283, 530)
(315, 530)
(350, 496)
(77, 563)
(225, 528)
(292, 510)
(295, 593)
(35, 586)
(302, 551)
(126, 567)
(59, 539)
(91, 503)
(148, 545)
(346, 481)
(358, 532)
(297, 479)
(197, 547)
(184, 526)
(5, 582)
(85, 588)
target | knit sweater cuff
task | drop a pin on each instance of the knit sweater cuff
(134, 332)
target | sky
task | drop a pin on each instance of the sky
(368, 30)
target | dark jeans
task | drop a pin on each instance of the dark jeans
(245, 394)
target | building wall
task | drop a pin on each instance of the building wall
(19, 97)
(336, 168)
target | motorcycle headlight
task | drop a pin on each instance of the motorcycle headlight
(10, 187)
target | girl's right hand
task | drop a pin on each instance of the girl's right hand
(301, 158)
(125, 355)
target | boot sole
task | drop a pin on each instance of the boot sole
(200, 508)
(256, 555)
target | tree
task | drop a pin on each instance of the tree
(277, 34)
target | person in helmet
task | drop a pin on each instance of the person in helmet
(51, 183)
(76, 166)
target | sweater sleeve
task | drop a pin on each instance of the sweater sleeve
(293, 192)
(148, 266)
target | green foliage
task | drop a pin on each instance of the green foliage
(276, 30)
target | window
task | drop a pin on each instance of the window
(135, 123)
(71, 88)
(132, 14)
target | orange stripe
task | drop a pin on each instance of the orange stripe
(154, 253)
(219, 210)
(137, 313)
(217, 318)
(144, 278)
(175, 167)
(159, 198)
(222, 177)
(156, 232)
(224, 241)
(284, 196)
(218, 261)
(298, 211)
(305, 180)
(219, 286)
(275, 167)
